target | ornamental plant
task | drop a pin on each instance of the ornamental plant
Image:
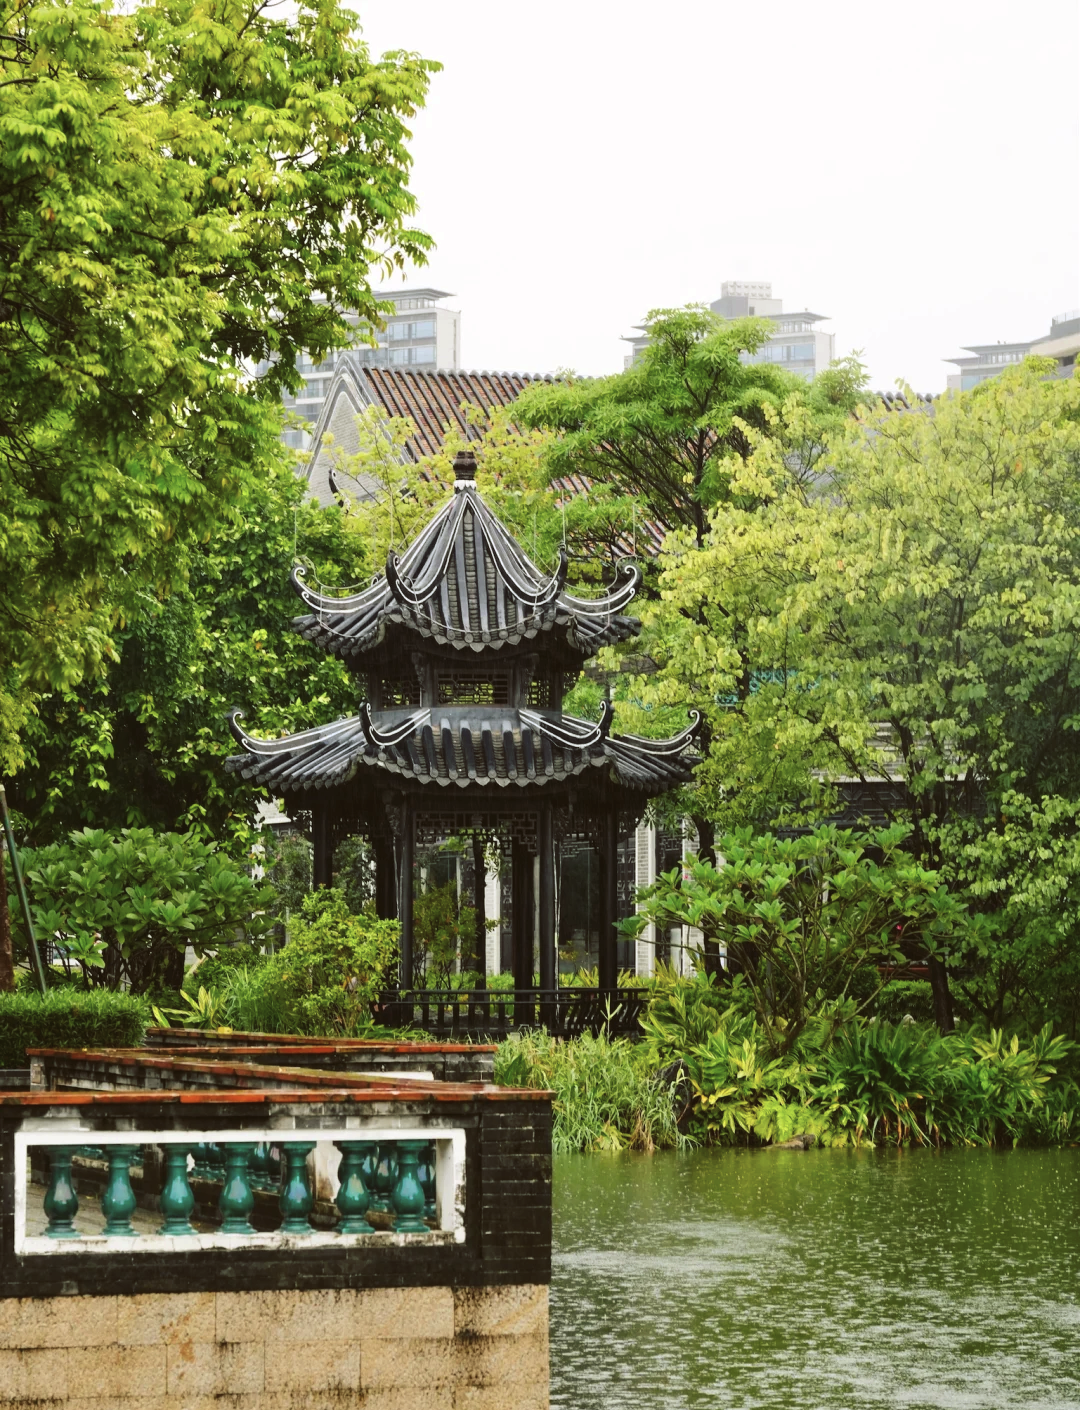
(122, 908)
(334, 967)
(800, 917)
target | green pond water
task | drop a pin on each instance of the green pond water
(737, 1279)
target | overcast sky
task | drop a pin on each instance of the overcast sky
(912, 170)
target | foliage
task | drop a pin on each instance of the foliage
(907, 613)
(444, 931)
(802, 916)
(124, 907)
(68, 1017)
(177, 179)
(850, 1080)
(145, 746)
(606, 1095)
(334, 967)
(670, 431)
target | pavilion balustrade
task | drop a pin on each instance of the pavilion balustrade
(495, 1013)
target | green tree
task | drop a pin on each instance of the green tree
(123, 907)
(188, 189)
(804, 918)
(672, 430)
(145, 745)
(909, 614)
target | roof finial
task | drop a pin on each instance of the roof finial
(464, 469)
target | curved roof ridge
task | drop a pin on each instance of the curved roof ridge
(466, 582)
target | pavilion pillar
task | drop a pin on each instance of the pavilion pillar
(609, 899)
(479, 906)
(385, 879)
(322, 847)
(546, 898)
(522, 913)
(407, 857)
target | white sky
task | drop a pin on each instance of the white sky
(910, 169)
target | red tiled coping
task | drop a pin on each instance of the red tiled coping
(431, 1092)
(138, 1057)
(290, 1042)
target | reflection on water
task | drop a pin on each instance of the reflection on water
(738, 1279)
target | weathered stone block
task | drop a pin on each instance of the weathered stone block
(512, 1397)
(215, 1368)
(33, 1375)
(511, 1311)
(312, 1366)
(403, 1362)
(68, 1321)
(405, 1312)
(149, 1318)
(121, 1370)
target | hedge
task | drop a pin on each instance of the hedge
(68, 1018)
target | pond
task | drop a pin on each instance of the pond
(737, 1279)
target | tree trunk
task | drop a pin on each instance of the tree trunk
(939, 984)
(7, 956)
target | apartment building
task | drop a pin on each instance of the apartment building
(420, 334)
(797, 343)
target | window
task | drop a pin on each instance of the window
(472, 688)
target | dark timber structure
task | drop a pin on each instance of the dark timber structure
(463, 651)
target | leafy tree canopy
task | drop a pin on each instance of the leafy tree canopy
(908, 613)
(672, 429)
(177, 181)
(144, 746)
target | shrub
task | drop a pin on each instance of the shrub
(323, 981)
(123, 907)
(68, 1018)
(607, 1095)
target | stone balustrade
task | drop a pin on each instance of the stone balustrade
(378, 1183)
(389, 1183)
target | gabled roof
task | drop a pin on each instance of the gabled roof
(431, 400)
(472, 745)
(465, 582)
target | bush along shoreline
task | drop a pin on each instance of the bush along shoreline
(706, 1072)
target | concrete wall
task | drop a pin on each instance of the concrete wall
(380, 1348)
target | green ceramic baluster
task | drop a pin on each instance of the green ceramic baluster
(368, 1166)
(273, 1169)
(61, 1200)
(408, 1193)
(297, 1200)
(202, 1170)
(216, 1161)
(237, 1201)
(259, 1166)
(176, 1199)
(425, 1173)
(385, 1177)
(118, 1201)
(352, 1196)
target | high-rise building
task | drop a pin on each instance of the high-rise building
(420, 334)
(797, 344)
(988, 359)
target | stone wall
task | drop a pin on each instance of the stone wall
(480, 1348)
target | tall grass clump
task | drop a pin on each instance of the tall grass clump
(608, 1096)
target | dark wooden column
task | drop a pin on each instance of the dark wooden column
(406, 859)
(522, 917)
(479, 905)
(386, 886)
(322, 846)
(546, 899)
(609, 899)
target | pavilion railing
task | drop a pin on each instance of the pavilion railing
(495, 1013)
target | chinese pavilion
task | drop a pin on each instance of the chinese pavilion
(463, 651)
